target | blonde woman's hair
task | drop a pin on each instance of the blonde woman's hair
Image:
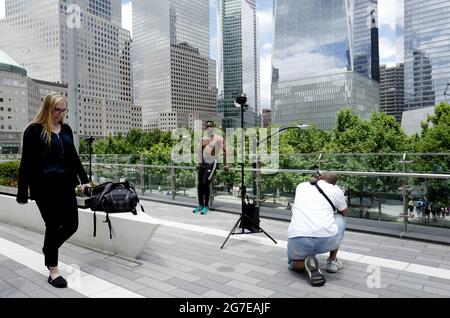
(45, 115)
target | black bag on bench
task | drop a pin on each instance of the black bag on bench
(113, 197)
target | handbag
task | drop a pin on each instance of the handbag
(113, 197)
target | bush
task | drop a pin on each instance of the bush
(9, 173)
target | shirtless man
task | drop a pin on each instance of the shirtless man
(207, 165)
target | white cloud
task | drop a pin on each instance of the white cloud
(387, 13)
(267, 46)
(265, 21)
(2, 9)
(387, 51)
(266, 79)
(127, 17)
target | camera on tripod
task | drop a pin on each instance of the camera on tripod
(240, 101)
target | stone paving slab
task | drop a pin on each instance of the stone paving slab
(186, 263)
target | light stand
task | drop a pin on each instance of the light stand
(241, 100)
(257, 163)
(90, 140)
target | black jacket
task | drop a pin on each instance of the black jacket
(33, 151)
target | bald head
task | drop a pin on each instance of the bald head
(329, 177)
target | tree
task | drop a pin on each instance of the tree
(435, 138)
(305, 141)
(384, 136)
(435, 135)
(349, 134)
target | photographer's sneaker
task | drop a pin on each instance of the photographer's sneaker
(334, 265)
(315, 274)
(197, 209)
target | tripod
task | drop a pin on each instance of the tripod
(241, 99)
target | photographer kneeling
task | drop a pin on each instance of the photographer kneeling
(316, 227)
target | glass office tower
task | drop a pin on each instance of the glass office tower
(426, 44)
(171, 64)
(325, 57)
(238, 60)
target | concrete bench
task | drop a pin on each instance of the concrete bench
(131, 233)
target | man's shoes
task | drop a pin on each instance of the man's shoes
(205, 210)
(315, 275)
(58, 282)
(334, 265)
(197, 209)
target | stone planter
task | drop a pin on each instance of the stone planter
(131, 233)
(81, 201)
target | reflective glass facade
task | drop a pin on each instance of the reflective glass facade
(317, 100)
(400, 30)
(324, 51)
(238, 60)
(171, 42)
(426, 51)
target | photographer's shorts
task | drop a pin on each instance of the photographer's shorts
(300, 247)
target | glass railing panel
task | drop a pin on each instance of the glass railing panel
(186, 182)
(370, 196)
(157, 181)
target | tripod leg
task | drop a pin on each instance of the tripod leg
(259, 228)
(231, 232)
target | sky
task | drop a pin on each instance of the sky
(386, 22)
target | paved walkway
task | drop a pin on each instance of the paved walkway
(184, 259)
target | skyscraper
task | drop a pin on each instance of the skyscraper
(426, 50)
(392, 90)
(171, 66)
(325, 57)
(35, 34)
(238, 60)
(20, 99)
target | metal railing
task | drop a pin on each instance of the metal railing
(380, 195)
(378, 186)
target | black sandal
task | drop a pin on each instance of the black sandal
(58, 282)
(315, 275)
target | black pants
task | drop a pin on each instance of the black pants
(58, 206)
(205, 175)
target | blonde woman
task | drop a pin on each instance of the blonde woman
(51, 169)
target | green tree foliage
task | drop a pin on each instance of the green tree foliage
(305, 141)
(9, 173)
(134, 142)
(158, 154)
(384, 134)
(435, 138)
(435, 135)
(349, 134)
